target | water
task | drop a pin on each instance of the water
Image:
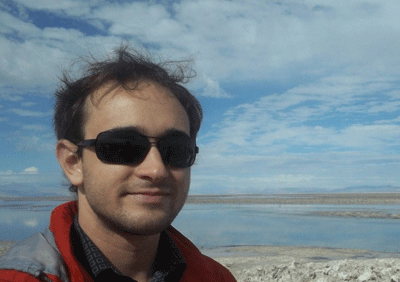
(289, 225)
(20, 219)
(211, 225)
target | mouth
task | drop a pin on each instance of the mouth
(149, 197)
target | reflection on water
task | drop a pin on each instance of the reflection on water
(292, 225)
(211, 225)
(20, 219)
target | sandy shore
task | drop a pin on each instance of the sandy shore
(382, 270)
(285, 263)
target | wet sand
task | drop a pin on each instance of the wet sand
(300, 199)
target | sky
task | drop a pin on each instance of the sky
(296, 94)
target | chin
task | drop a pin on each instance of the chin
(145, 229)
(142, 225)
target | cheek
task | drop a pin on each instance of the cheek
(100, 176)
(183, 178)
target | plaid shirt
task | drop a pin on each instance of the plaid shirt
(168, 265)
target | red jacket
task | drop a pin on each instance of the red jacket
(49, 256)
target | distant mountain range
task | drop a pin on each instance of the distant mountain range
(352, 189)
(367, 188)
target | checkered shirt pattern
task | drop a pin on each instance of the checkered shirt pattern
(169, 264)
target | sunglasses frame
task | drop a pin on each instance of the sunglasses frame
(99, 142)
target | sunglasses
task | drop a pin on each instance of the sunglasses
(127, 146)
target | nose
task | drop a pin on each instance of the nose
(152, 167)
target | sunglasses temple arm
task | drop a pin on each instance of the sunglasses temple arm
(87, 143)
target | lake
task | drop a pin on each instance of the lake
(216, 225)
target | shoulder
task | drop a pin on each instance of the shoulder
(31, 258)
(200, 266)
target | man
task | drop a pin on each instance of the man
(126, 137)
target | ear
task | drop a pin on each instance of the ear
(69, 161)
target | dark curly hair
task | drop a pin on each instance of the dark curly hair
(127, 69)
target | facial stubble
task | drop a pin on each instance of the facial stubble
(131, 218)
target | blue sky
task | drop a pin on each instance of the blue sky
(302, 94)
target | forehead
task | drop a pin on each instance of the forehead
(148, 106)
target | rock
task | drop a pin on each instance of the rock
(333, 271)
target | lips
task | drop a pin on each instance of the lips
(150, 193)
(153, 193)
(149, 197)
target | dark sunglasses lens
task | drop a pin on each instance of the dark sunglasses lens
(130, 147)
(121, 147)
(177, 152)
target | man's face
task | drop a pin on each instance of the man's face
(142, 198)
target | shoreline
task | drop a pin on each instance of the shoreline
(339, 199)
(387, 198)
(283, 254)
(276, 254)
(362, 198)
(286, 263)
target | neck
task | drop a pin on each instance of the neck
(132, 255)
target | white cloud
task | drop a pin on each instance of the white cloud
(34, 127)
(321, 170)
(340, 61)
(28, 104)
(384, 107)
(330, 133)
(69, 7)
(10, 96)
(28, 113)
(31, 170)
(61, 34)
(212, 88)
(267, 126)
(16, 26)
(137, 19)
(232, 41)
(28, 65)
(34, 181)
(34, 142)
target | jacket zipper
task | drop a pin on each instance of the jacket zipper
(42, 276)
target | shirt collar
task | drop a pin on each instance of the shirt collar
(94, 257)
(168, 262)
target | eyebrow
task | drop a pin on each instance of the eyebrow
(141, 130)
